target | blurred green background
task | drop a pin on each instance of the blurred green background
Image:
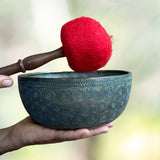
(33, 26)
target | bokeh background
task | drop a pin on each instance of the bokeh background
(33, 26)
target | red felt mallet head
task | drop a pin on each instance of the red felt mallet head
(86, 44)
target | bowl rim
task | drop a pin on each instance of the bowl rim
(120, 73)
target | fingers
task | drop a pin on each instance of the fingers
(110, 124)
(5, 81)
(61, 136)
(98, 130)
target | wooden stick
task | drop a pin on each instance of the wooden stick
(31, 62)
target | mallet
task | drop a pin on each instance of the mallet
(85, 43)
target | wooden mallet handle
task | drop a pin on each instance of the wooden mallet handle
(31, 62)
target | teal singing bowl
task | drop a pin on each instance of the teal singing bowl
(69, 100)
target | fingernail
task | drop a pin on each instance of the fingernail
(6, 83)
(84, 135)
(110, 124)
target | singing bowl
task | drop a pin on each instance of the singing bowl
(69, 100)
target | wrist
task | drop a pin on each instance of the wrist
(7, 143)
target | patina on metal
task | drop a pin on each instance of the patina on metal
(69, 100)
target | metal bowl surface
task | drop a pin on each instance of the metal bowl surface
(69, 100)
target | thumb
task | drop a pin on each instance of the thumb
(5, 81)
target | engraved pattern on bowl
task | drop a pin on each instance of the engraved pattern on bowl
(69, 100)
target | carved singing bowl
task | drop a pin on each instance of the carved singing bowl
(69, 100)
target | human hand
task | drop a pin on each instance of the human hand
(27, 132)
(5, 81)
